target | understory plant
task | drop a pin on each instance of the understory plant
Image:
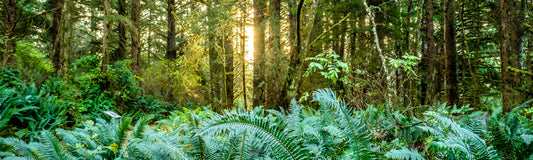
(332, 130)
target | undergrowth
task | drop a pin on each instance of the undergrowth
(63, 119)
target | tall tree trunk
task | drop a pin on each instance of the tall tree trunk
(305, 46)
(66, 35)
(506, 75)
(243, 51)
(293, 53)
(135, 36)
(451, 53)
(105, 38)
(120, 53)
(275, 58)
(516, 31)
(94, 28)
(216, 65)
(10, 8)
(529, 65)
(228, 49)
(341, 53)
(350, 89)
(57, 60)
(431, 58)
(259, 54)
(338, 46)
(171, 34)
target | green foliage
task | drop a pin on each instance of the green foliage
(275, 136)
(103, 140)
(511, 132)
(150, 104)
(116, 89)
(26, 109)
(404, 153)
(328, 65)
(331, 131)
(353, 126)
(408, 62)
(182, 80)
(31, 59)
(10, 77)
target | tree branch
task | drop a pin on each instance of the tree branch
(335, 25)
(519, 71)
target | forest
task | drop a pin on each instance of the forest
(266, 79)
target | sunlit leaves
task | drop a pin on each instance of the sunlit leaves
(329, 65)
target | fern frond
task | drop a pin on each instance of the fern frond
(404, 153)
(353, 126)
(242, 147)
(275, 136)
(139, 127)
(22, 148)
(123, 128)
(54, 150)
(156, 145)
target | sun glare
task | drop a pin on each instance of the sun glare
(249, 44)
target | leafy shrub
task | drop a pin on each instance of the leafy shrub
(114, 90)
(31, 61)
(154, 106)
(328, 65)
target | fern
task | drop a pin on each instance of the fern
(140, 126)
(23, 149)
(353, 126)
(278, 139)
(54, 149)
(404, 153)
(452, 140)
(509, 132)
(156, 145)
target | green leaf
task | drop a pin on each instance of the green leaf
(527, 138)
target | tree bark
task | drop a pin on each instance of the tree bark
(57, 60)
(274, 58)
(105, 40)
(259, 54)
(506, 75)
(120, 53)
(171, 34)
(451, 53)
(94, 28)
(243, 51)
(228, 47)
(431, 72)
(293, 53)
(10, 8)
(516, 31)
(135, 36)
(66, 35)
(216, 64)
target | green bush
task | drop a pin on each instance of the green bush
(117, 89)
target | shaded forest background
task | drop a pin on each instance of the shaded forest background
(411, 53)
